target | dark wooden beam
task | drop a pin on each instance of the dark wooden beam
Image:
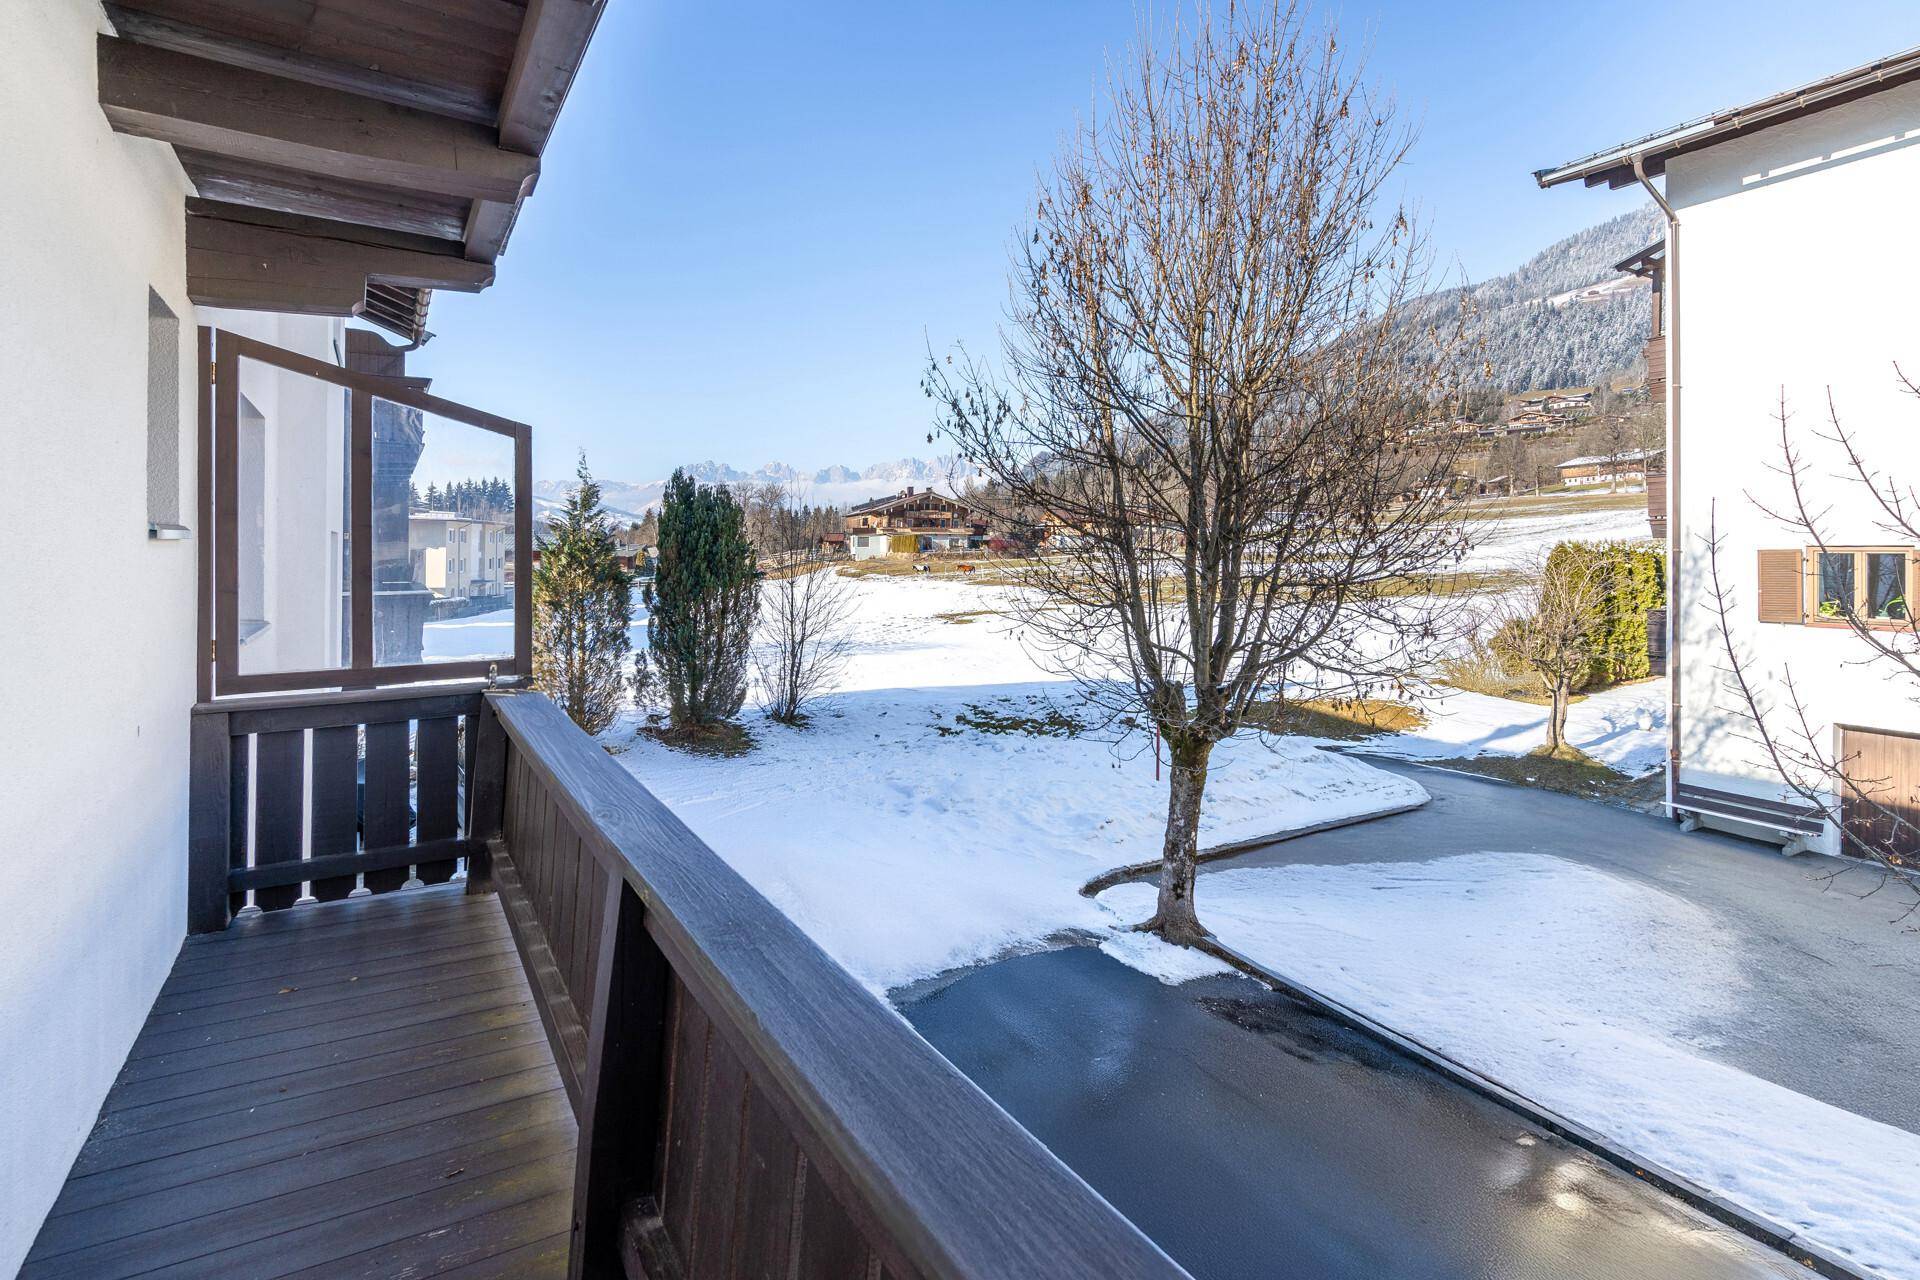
(253, 116)
(240, 257)
(553, 40)
(265, 186)
(455, 102)
(487, 226)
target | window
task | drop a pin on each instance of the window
(163, 417)
(1871, 584)
(1886, 586)
(1836, 590)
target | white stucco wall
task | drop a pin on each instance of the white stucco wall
(96, 646)
(1797, 274)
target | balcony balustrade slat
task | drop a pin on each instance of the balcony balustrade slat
(280, 762)
(335, 820)
(437, 744)
(239, 814)
(385, 820)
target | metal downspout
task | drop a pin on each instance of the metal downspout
(1670, 311)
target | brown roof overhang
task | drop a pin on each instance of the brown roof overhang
(1614, 166)
(345, 166)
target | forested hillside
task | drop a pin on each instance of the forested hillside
(1535, 335)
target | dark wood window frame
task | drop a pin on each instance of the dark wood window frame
(219, 661)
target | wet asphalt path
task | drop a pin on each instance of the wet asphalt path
(1251, 1137)
(1833, 964)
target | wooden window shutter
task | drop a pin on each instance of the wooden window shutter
(1782, 591)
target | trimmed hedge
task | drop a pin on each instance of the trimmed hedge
(902, 544)
(1636, 581)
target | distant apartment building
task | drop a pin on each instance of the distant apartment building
(459, 556)
(1823, 176)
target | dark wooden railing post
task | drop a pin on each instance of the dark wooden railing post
(622, 1088)
(486, 795)
(209, 821)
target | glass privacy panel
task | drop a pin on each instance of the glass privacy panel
(290, 439)
(443, 554)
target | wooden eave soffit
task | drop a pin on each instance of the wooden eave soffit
(223, 110)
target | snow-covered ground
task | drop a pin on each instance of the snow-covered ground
(482, 635)
(907, 844)
(1624, 727)
(490, 635)
(1518, 541)
(1587, 993)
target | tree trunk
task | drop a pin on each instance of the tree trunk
(1557, 719)
(1173, 916)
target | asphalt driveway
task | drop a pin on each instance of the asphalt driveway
(1834, 976)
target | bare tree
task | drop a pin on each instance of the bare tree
(1884, 823)
(806, 612)
(1547, 630)
(1616, 438)
(1205, 381)
(1513, 457)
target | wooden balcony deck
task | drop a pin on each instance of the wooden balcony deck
(359, 1088)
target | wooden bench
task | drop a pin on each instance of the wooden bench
(1795, 822)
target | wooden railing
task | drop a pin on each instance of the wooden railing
(336, 792)
(745, 1107)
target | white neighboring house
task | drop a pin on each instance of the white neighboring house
(1789, 270)
(1606, 469)
(457, 555)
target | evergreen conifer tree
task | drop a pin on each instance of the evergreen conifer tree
(582, 605)
(703, 600)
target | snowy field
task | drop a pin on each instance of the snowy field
(1518, 541)
(907, 844)
(1586, 993)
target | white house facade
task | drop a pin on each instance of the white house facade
(1790, 282)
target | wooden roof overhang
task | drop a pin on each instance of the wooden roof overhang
(1646, 263)
(1614, 166)
(350, 156)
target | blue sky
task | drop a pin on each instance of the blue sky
(754, 214)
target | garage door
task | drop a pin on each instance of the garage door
(1886, 767)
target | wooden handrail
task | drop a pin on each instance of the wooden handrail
(939, 1180)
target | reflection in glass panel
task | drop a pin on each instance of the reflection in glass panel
(1836, 584)
(1887, 585)
(290, 446)
(442, 538)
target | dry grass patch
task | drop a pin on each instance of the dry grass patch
(1038, 718)
(1533, 504)
(1342, 719)
(727, 740)
(1570, 771)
